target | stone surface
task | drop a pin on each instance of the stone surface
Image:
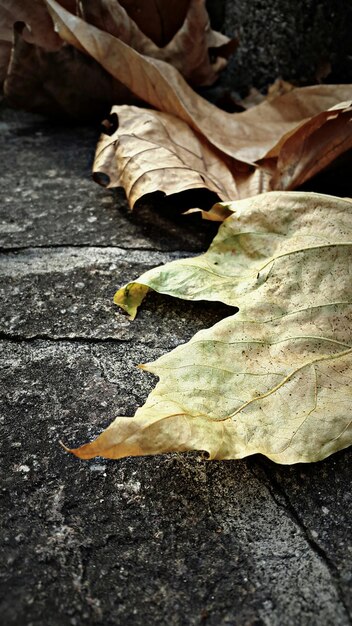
(52, 201)
(168, 539)
(165, 540)
(68, 292)
(304, 41)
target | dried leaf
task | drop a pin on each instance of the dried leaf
(247, 136)
(45, 75)
(56, 83)
(37, 69)
(5, 54)
(314, 146)
(151, 151)
(38, 27)
(159, 20)
(147, 151)
(188, 49)
(241, 258)
(274, 379)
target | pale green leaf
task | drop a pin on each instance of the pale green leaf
(278, 251)
(274, 379)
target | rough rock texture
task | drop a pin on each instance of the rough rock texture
(304, 41)
(167, 540)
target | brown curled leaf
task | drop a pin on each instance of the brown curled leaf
(247, 136)
(65, 82)
(188, 48)
(159, 20)
(37, 25)
(314, 146)
(152, 151)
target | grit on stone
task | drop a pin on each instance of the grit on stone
(303, 41)
(167, 540)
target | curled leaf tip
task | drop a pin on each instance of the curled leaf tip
(61, 443)
(75, 451)
(130, 297)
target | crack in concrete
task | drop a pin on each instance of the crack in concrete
(80, 339)
(281, 498)
(77, 340)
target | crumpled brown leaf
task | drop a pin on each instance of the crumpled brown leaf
(5, 54)
(38, 61)
(187, 50)
(42, 73)
(254, 137)
(38, 28)
(152, 151)
(159, 20)
(247, 136)
(314, 146)
(65, 82)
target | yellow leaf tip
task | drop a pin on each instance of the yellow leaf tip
(130, 297)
